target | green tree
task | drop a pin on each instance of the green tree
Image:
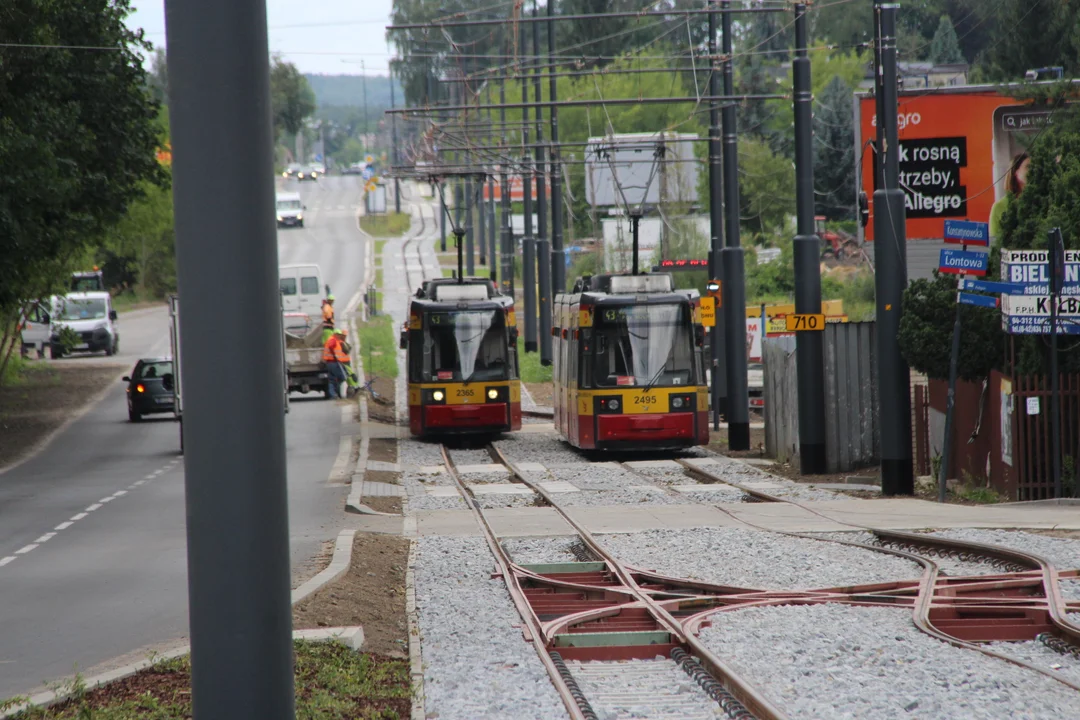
(834, 151)
(291, 98)
(157, 80)
(1033, 34)
(766, 188)
(945, 47)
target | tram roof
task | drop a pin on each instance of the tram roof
(621, 288)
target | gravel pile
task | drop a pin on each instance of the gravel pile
(643, 689)
(532, 551)
(418, 453)
(1070, 589)
(485, 477)
(802, 493)
(476, 664)
(595, 476)
(1041, 656)
(416, 485)
(1064, 553)
(628, 496)
(544, 448)
(665, 475)
(722, 494)
(470, 457)
(946, 565)
(834, 661)
(752, 559)
(506, 501)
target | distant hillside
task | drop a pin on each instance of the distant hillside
(348, 90)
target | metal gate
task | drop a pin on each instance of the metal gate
(1032, 422)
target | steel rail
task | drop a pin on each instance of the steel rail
(926, 596)
(531, 629)
(754, 701)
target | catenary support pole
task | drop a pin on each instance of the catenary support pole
(1057, 275)
(809, 346)
(506, 236)
(734, 273)
(890, 255)
(481, 220)
(528, 241)
(558, 255)
(394, 149)
(234, 430)
(543, 246)
(718, 369)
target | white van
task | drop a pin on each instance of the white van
(91, 316)
(290, 210)
(302, 289)
(37, 327)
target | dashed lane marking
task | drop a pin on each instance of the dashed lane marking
(89, 509)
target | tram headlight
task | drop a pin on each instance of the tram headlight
(492, 394)
(677, 403)
(613, 404)
(438, 395)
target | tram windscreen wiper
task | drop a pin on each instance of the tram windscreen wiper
(663, 366)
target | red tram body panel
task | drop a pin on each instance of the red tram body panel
(461, 359)
(628, 364)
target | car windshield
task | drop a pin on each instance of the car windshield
(89, 309)
(643, 345)
(289, 205)
(86, 283)
(465, 346)
(155, 369)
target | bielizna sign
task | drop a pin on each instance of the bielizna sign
(1031, 268)
(960, 261)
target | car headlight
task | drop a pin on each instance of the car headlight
(280, 218)
(492, 393)
(677, 403)
(284, 174)
(299, 217)
(438, 396)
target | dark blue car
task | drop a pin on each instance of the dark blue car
(150, 388)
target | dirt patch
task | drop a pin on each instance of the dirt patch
(44, 397)
(383, 450)
(718, 442)
(371, 594)
(382, 409)
(390, 505)
(1068, 534)
(383, 476)
(543, 394)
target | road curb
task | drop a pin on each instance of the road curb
(412, 616)
(352, 636)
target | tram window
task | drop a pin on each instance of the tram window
(466, 346)
(643, 345)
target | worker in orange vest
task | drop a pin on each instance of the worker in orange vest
(328, 318)
(337, 362)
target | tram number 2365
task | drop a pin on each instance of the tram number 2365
(646, 400)
(465, 392)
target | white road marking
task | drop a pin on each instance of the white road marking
(118, 493)
(106, 500)
(45, 538)
(76, 518)
(6, 560)
(25, 549)
(63, 526)
(148, 477)
(92, 508)
(137, 483)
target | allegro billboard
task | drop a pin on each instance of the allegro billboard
(956, 147)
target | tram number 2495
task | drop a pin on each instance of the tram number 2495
(646, 400)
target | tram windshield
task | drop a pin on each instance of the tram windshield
(466, 346)
(643, 345)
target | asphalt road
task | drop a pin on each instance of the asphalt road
(92, 536)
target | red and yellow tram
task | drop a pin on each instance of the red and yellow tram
(628, 356)
(461, 343)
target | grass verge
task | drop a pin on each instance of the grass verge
(531, 369)
(377, 346)
(379, 245)
(379, 278)
(388, 225)
(332, 681)
(134, 300)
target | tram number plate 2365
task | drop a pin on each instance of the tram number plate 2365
(465, 392)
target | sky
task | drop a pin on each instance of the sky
(339, 34)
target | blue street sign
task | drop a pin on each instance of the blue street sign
(318, 158)
(961, 261)
(980, 300)
(967, 231)
(368, 173)
(990, 286)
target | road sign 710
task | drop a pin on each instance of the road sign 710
(805, 322)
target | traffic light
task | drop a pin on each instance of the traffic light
(715, 290)
(864, 208)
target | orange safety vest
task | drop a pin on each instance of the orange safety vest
(328, 315)
(333, 352)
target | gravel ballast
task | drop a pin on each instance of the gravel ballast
(535, 551)
(752, 559)
(1042, 656)
(476, 663)
(1062, 552)
(832, 661)
(643, 689)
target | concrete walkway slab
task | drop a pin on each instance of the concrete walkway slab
(500, 489)
(559, 486)
(380, 489)
(442, 491)
(482, 468)
(653, 465)
(531, 467)
(634, 518)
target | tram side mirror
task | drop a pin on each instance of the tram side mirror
(513, 336)
(403, 340)
(699, 335)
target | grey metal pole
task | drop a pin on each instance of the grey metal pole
(950, 404)
(363, 83)
(890, 250)
(393, 150)
(558, 256)
(492, 235)
(543, 247)
(234, 430)
(507, 238)
(718, 371)
(528, 278)
(528, 246)
(734, 289)
(809, 346)
(635, 224)
(481, 218)
(1057, 275)
(442, 223)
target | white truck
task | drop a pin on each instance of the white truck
(304, 367)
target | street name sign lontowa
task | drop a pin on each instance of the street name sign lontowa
(961, 261)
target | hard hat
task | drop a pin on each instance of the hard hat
(330, 298)
(341, 331)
